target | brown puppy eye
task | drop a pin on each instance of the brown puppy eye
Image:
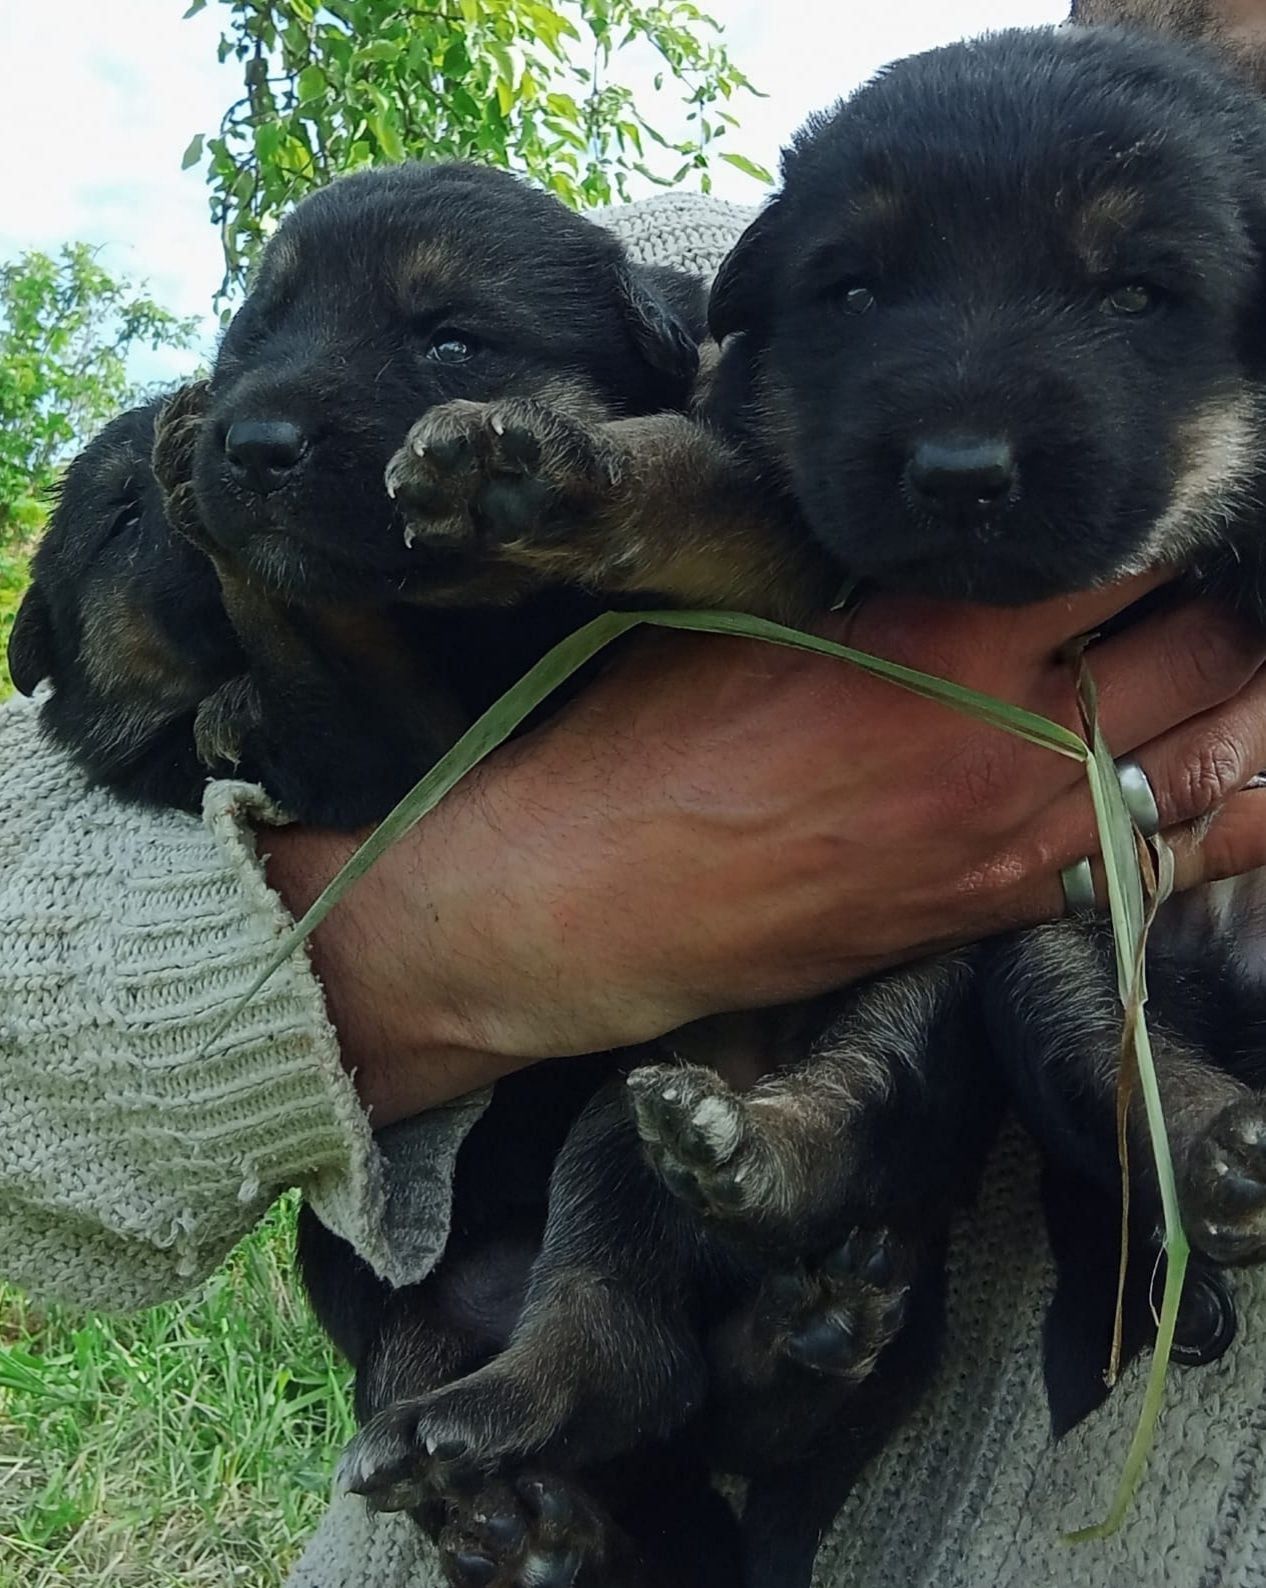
(859, 300)
(1132, 298)
(451, 347)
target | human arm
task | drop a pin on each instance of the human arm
(717, 823)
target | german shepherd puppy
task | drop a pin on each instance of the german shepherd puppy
(585, 1311)
(1002, 335)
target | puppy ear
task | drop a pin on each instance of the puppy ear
(741, 288)
(31, 650)
(659, 327)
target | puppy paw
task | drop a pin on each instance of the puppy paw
(176, 433)
(713, 1147)
(540, 1531)
(224, 721)
(837, 1315)
(439, 1444)
(398, 1464)
(1223, 1185)
(511, 481)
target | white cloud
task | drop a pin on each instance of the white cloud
(92, 149)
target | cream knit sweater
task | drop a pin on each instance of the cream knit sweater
(131, 1161)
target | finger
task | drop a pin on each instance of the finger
(1234, 844)
(1172, 666)
(1196, 767)
(1194, 770)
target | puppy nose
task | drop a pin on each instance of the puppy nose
(963, 478)
(264, 451)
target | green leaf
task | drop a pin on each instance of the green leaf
(389, 139)
(382, 50)
(193, 152)
(269, 138)
(311, 84)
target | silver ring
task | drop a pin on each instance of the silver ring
(1139, 799)
(1079, 887)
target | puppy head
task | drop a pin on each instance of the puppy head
(1004, 322)
(385, 294)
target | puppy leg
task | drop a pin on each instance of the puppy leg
(653, 504)
(605, 1356)
(1052, 1004)
(871, 1122)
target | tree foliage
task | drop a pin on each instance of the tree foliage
(329, 88)
(66, 329)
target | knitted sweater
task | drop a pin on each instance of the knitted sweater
(136, 1147)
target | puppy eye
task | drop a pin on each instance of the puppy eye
(448, 346)
(1131, 298)
(858, 300)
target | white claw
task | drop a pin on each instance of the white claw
(419, 447)
(497, 424)
(410, 535)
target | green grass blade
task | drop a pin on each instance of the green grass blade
(1131, 917)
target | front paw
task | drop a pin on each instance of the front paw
(438, 1445)
(514, 481)
(176, 432)
(225, 721)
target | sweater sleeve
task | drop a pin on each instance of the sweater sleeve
(138, 1142)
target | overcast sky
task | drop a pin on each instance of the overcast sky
(92, 149)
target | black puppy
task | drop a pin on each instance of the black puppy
(351, 330)
(350, 659)
(1001, 336)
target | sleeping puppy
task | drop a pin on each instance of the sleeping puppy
(1001, 336)
(126, 620)
(341, 659)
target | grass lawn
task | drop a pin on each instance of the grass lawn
(192, 1444)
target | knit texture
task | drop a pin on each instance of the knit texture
(130, 1159)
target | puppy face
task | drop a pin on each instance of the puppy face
(1004, 322)
(125, 619)
(379, 297)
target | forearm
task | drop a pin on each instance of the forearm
(403, 1040)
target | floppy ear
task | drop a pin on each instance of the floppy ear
(741, 288)
(659, 326)
(31, 650)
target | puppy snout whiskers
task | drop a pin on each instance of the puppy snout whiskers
(962, 479)
(264, 452)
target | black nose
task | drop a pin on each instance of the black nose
(264, 451)
(962, 479)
